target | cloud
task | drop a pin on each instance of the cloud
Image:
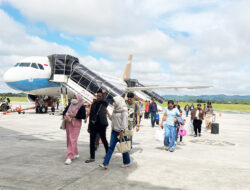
(173, 42)
(16, 44)
(88, 17)
(143, 46)
(15, 41)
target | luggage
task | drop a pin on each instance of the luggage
(146, 115)
(215, 128)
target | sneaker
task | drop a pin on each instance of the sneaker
(125, 165)
(199, 134)
(171, 150)
(103, 166)
(167, 148)
(178, 143)
(195, 135)
(76, 157)
(90, 160)
(68, 161)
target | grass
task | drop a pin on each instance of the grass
(219, 107)
(18, 99)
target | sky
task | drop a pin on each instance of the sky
(173, 42)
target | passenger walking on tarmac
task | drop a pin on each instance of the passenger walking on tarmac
(204, 107)
(187, 108)
(73, 115)
(133, 114)
(197, 116)
(192, 107)
(209, 111)
(179, 127)
(170, 116)
(146, 114)
(99, 124)
(90, 125)
(140, 105)
(153, 109)
(119, 120)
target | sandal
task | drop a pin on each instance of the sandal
(103, 166)
(125, 165)
(89, 160)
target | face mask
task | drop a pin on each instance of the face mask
(74, 101)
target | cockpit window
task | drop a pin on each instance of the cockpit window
(40, 66)
(34, 65)
(24, 65)
(16, 65)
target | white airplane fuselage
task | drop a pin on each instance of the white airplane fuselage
(32, 76)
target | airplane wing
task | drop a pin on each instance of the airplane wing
(129, 89)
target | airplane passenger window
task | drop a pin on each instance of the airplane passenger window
(34, 65)
(24, 65)
(40, 66)
(16, 65)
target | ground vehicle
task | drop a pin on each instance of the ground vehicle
(4, 106)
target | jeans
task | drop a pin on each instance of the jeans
(113, 141)
(187, 113)
(153, 118)
(94, 130)
(170, 134)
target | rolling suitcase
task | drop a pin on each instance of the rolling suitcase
(215, 128)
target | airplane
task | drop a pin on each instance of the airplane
(60, 74)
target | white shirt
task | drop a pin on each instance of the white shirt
(197, 114)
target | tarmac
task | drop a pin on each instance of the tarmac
(33, 151)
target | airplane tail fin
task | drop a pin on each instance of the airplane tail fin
(127, 71)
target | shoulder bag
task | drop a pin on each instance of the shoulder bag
(94, 119)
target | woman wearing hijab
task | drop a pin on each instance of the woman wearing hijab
(119, 120)
(73, 115)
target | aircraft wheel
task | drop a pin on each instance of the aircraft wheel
(4, 107)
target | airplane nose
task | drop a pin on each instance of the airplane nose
(7, 77)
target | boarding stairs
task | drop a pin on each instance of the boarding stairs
(151, 94)
(67, 71)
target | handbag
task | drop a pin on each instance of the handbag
(128, 133)
(94, 119)
(182, 132)
(63, 125)
(124, 146)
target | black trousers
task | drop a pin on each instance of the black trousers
(197, 125)
(94, 130)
